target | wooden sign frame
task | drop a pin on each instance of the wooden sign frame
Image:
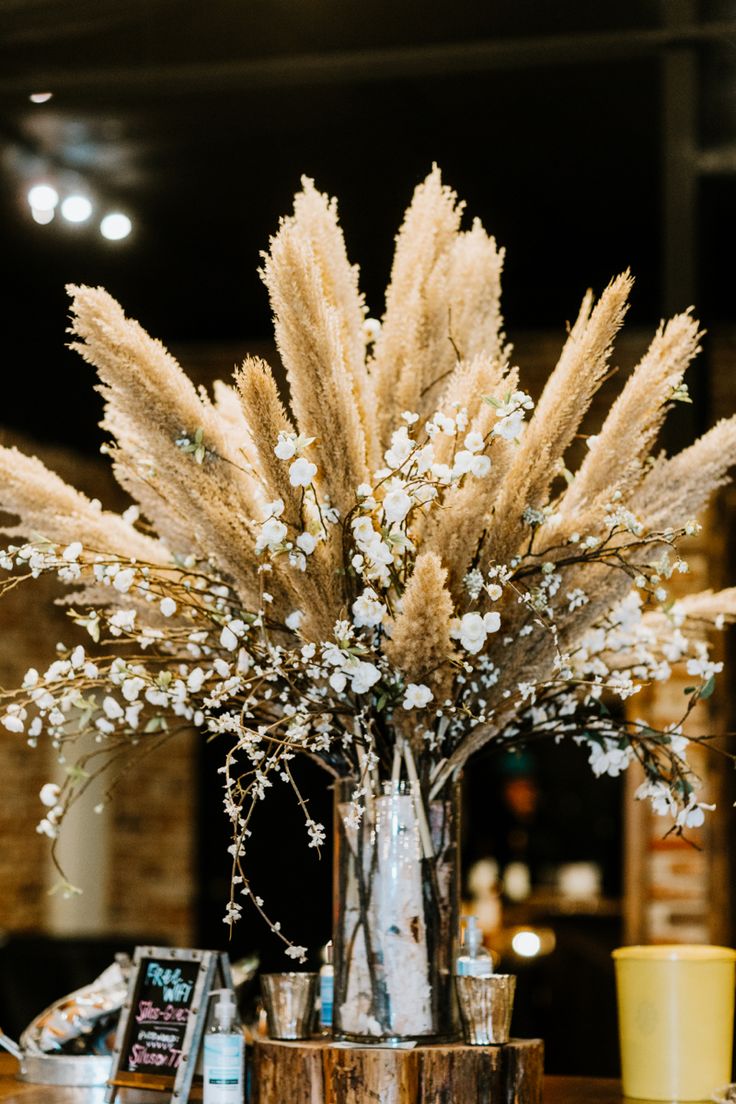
(213, 972)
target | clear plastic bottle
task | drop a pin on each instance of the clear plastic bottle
(326, 990)
(224, 1052)
(473, 959)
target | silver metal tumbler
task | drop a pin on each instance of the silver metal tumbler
(486, 1004)
(289, 1000)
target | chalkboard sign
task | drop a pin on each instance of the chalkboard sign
(163, 1018)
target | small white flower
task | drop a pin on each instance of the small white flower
(12, 722)
(416, 696)
(294, 620)
(49, 795)
(338, 681)
(368, 611)
(299, 953)
(307, 543)
(272, 534)
(480, 466)
(396, 506)
(474, 441)
(46, 828)
(472, 628)
(401, 446)
(195, 680)
(363, 676)
(692, 818)
(228, 639)
(131, 689)
(112, 709)
(492, 622)
(167, 606)
(364, 490)
(30, 679)
(72, 552)
(132, 714)
(286, 446)
(123, 580)
(442, 473)
(463, 462)
(122, 620)
(608, 758)
(302, 472)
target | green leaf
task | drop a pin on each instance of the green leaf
(491, 401)
(708, 688)
(156, 724)
(689, 690)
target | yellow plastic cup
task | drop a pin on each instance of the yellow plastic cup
(675, 1018)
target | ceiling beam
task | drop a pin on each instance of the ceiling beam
(354, 66)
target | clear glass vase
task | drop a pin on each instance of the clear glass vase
(395, 912)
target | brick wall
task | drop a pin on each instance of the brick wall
(148, 874)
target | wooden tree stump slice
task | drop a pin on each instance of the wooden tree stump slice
(368, 1075)
(523, 1071)
(451, 1074)
(288, 1072)
(320, 1071)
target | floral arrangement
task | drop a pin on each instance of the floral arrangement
(397, 573)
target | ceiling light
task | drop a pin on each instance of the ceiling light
(527, 944)
(42, 215)
(76, 208)
(115, 226)
(40, 97)
(42, 197)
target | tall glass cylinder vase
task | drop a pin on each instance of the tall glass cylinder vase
(395, 912)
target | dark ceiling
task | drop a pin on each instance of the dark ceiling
(198, 118)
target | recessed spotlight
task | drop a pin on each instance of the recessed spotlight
(42, 197)
(527, 944)
(76, 208)
(42, 215)
(115, 226)
(40, 97)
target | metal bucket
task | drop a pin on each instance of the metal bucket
(65, 1069)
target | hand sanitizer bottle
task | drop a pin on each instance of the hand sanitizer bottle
(223, 1052)
(326, 990)
(473, 959)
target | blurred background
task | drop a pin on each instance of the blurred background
(150, 146)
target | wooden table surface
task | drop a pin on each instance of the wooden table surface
(557, 1090)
